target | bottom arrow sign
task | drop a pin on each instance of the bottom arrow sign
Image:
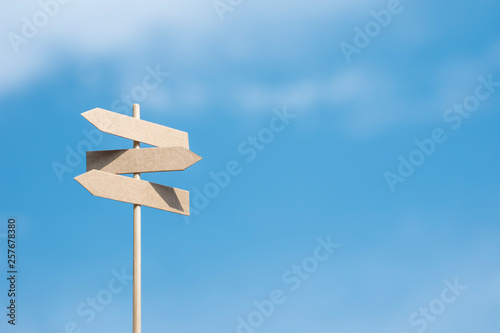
(139, 192)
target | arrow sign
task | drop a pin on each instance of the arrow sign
(141, 160)
(136, 129)
(139, 192)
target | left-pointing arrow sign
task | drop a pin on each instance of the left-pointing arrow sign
(139, 192)
(136, 129)
(141, 160)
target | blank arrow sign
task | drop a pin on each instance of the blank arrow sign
(107, 185)
(141, 160)
(136, 129)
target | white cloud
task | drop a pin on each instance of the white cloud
(189, 33)
(122, 29)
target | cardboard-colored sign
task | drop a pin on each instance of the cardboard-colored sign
(139, 192)
(136, 129)
(141, 160)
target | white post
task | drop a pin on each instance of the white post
(137, 246)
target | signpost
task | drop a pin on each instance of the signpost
(133, 190)
(136, 129)
(141, 160)
(104, 169)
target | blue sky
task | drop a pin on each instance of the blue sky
(321, 178)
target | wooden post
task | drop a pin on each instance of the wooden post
(137, 247)
(102, 179)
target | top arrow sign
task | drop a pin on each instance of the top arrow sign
(136, 129)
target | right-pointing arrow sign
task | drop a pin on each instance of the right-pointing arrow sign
(136, 129)
(139, 192)
(141, 160)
